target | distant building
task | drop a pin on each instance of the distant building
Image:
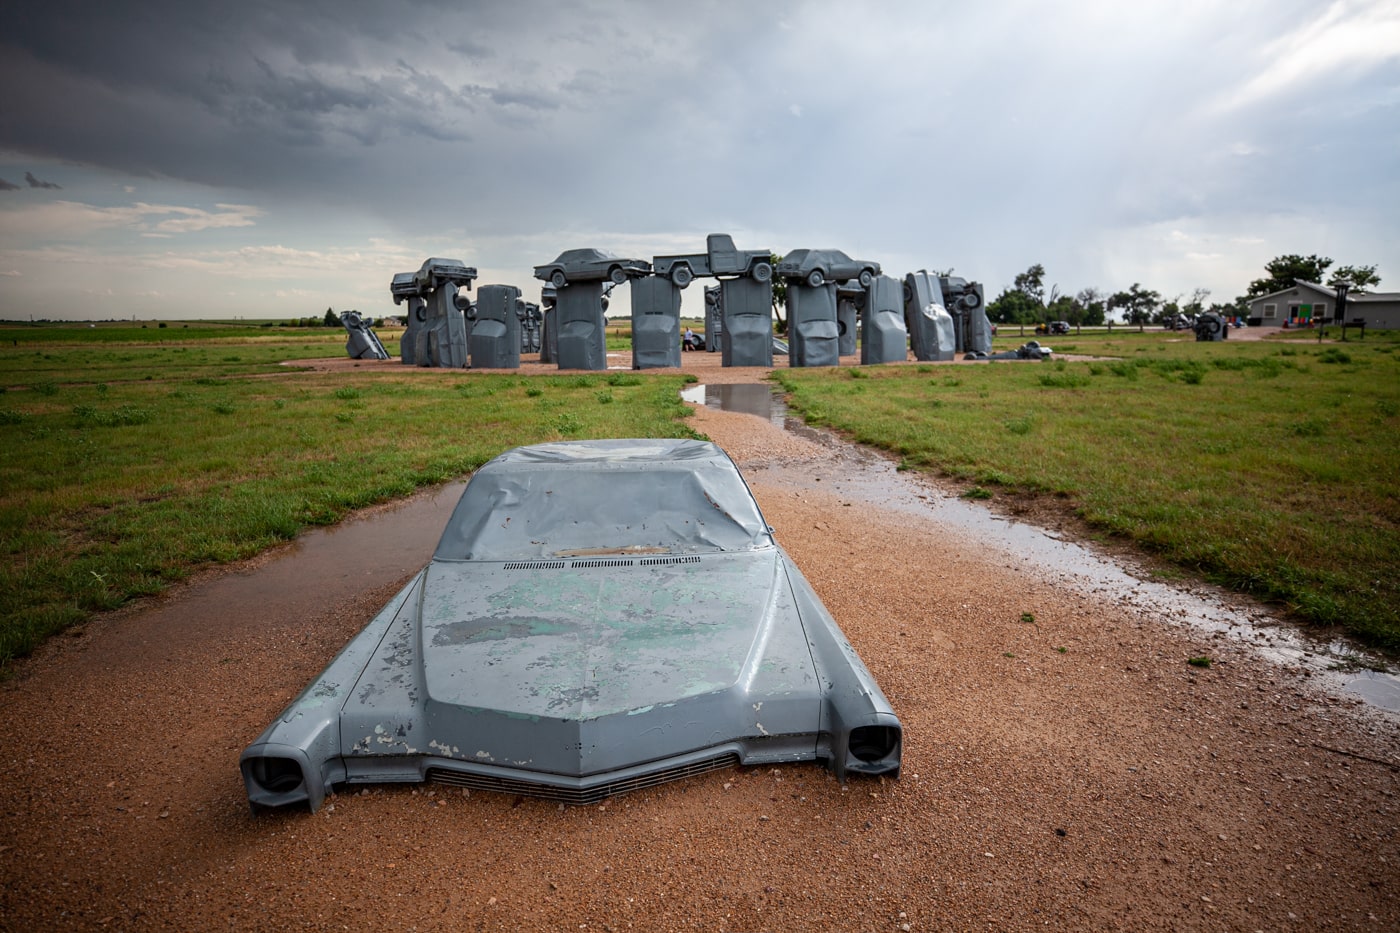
(1307, 301)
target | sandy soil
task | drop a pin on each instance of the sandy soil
(1071, 773)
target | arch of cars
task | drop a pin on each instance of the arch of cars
(829, 296)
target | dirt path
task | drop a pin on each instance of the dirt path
(1071, 773)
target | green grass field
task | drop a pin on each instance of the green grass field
(111, 489)
(1272, 467)
(128, 462)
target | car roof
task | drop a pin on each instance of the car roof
(648, 496)
(586, 253)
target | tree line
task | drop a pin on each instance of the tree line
(1027, 302)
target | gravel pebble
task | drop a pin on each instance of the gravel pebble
(1235, 818)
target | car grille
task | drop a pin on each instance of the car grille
(580, 795)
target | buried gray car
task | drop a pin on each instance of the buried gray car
(598, 616)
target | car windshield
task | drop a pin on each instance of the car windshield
(584, 255)
(521, 509)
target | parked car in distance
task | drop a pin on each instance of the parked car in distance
(1051, 327)
(590, 265)
(720, 258)
(816, 267)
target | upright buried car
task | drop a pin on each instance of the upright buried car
(599, 616)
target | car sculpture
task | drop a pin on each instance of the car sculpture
(591, 265)
(599, 616)
(815, 267)
(720, 258)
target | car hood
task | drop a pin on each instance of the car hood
(588, 638)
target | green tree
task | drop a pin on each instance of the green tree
(331, 320)
(1061, 308)
(779, 294)
(1089, 307)
(1032, 283)
(1014, 306)
(1138, 304)
(1286, 271)
(1361, 278)
(1197, 304)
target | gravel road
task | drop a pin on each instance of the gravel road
(1068, 773)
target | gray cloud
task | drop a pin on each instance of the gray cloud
(39, 183)
(8, 186)
(985, 137)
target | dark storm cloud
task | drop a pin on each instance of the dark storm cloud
(251, 97)
(8, 186)
(941, 130)
(39, 183)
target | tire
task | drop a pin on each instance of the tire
(971, 301)
(762, 272)
(815, 278)
(558, 279)
(617, 275)
(681, 275)
(421, 313)
(866, 277)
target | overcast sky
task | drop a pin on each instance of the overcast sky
(189, 158)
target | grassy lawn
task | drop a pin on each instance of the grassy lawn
(111, 489)
(1272, 467)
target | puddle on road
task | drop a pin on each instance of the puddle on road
(748, 398)
(866, 476)
(366, 550)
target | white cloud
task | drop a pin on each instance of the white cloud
(74, 220)
(1111, 142)
(1345, 39)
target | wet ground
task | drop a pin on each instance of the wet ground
(1072, 771)
(869, 478)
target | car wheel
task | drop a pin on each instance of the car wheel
(762, 272)
(971, 301)
(815, 278)
(680, 275)
(421, 313)
(866, 277)
(617, 275)
(908, 293)
(558, 279)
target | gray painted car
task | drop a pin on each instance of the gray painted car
(720, 258)
(599, 616)
(590, 265)
(815, 267)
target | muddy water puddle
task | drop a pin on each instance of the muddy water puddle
(374, 548)
(864, 476)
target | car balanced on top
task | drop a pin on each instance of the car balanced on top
(591, 265)
(720, 258)
(816, 267)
